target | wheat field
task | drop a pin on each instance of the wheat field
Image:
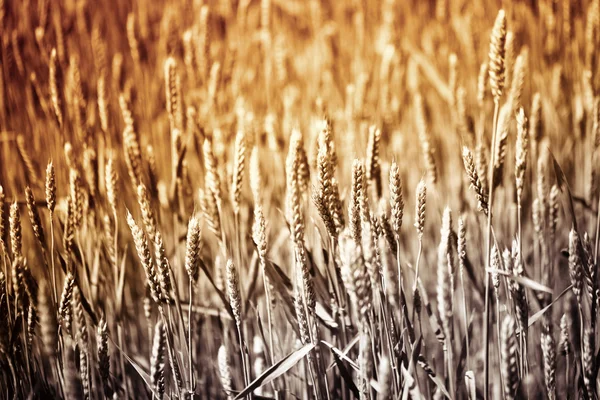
(299, 199)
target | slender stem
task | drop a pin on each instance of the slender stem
(464, 296)
(341, 294)
(341, 304)
(269, 319)
(122, 361)
(150, 329)
(53, 270)
(191, 366)
(424, 352)
(451, 370)
(581, 334)
(116, 249)
(238, 255)
(117, 286)
(419, 253)
(56, 373)
(418, 376)
(499, 345)
(243, 355)
(597, 233)
(567, 370)
(390, 342)
(312, 378)
(238, 247)
(170, 350)
(486, 315)
(178, 308)
(24, 320)
(519, 226)
(6, 284)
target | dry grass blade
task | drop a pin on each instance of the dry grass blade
(277, 369)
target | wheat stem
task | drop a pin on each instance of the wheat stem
(53, 272)
(488, 254)
(190, 356)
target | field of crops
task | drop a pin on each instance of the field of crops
(299, 199)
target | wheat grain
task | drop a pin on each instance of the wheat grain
(111, 179)
(192, 248)
(48, 322)
(212, 197)
(173, 94)
(475, 182)
(565, 342)
(16, 239)
(518, 80)
(357, 200)
(420, 208)
(103, 355)
(65, 311)
(549, 353)
(509, 358)
(30, 169)
(373, 165)
(445, 273)
(536, 127)
(575, 267)
(482, 83)
(233, 289)
(141, 245)
(522, 149)
(425, 139)
(238, 170)
(34, 217)
(157, 362)
(55, 83)
(396, 198)
(497, 56)
(588, 351)
(225, 370)
(50, 188)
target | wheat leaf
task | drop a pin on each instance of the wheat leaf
(277, 369)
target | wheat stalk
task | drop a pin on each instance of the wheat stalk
(2, 221)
